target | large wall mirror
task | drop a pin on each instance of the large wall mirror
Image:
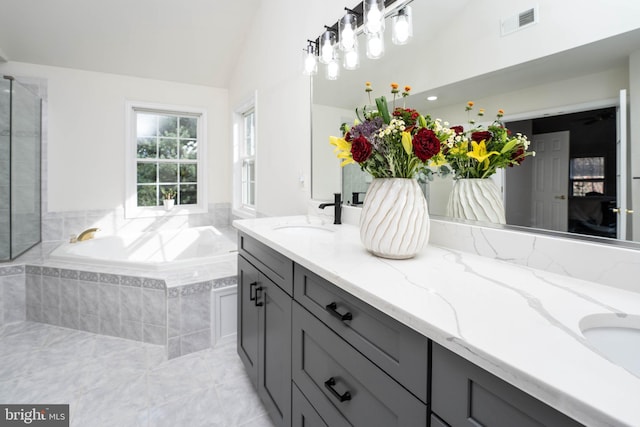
(577, 99)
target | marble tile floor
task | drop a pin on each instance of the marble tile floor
(113, 382)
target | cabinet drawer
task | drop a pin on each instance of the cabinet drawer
(273, 264)
(398, 350)
(464, 394)
(341, 382)
(302, 412)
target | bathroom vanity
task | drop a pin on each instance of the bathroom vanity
(333, 336)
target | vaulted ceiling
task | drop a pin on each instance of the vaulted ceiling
(189, 41)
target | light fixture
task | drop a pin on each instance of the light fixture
(310, 59)
(327, 46)
(432, 98)
(367, 19)
(375, 45)
(333, 69)
(373, 11)
(347, 32)
(351, 59)
(402, 26)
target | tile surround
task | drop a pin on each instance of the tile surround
(125, 306)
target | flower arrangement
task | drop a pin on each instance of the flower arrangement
(168, 193)
(479, 152)
(396, 145)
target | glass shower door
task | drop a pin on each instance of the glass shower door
(25, 169)
(20, 142)
(5, 170)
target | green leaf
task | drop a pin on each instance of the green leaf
(381, 104)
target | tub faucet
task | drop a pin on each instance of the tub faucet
(337, 208)
(87, 234)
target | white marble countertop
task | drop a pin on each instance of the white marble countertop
(516, 322)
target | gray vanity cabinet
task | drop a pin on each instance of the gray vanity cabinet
(345, 387)
(264, 334)
(463, 394)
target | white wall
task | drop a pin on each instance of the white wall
(86, 134)
(470, 46)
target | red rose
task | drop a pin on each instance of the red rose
(517, 156)
(457, 129)
(426, 144)
(360, 149)
(347, 136)
(484, 135)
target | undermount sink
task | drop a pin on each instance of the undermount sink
(303, 229)
(616, 337)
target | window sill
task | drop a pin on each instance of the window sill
(160, 211)
(244, 213)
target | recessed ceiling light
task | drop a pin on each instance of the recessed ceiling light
(432, 98)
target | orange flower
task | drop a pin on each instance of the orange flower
(407, 88)
(500, 112)
(367, 87)
(394, 86)
(481, 112)
(470, 104)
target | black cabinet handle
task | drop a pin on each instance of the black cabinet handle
(252, 287)
(331, 308)
(341, 397)
(256, 303)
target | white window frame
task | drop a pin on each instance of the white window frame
(132, 210)
(240, 158)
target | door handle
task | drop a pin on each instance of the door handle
(252, 287)
(561, 197)
(341, 397)
(332, 309)
(256, 302)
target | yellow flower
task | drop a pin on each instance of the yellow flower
(342, 150)
(407, 142)
(437, 160)
(479, 152)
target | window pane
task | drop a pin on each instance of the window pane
(588, 188)
(146, 124)
(147, 195)
(188, 194)
(168, 172)
(248, 183)
(147, 148)
(188, 127)
(168, 148)
(587, 168)
(188, 173)
(249, 134)
(147, 173)
(189, 149)
(168, 126)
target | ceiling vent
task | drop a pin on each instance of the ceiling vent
(519, 21)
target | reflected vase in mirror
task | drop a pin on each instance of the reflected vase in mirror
(394, 222)
(476, 199)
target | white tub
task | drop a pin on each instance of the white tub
(158, 251)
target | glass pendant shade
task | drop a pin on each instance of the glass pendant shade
(333, 70)
(351, 59)
(310, 61)
(373, 16)
(327, 46)
(347, 27)
(402, 26)
(375, 45)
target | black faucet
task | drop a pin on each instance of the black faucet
(337, 207)
(355, 198)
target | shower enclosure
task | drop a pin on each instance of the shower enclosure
(20, 145)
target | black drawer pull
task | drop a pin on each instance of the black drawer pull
(331, 308)
(341, 397)
(256, 303)
(252, 286)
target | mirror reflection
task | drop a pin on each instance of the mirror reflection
(570, 101)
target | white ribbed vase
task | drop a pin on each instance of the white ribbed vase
(394, 222)
(476, 199)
